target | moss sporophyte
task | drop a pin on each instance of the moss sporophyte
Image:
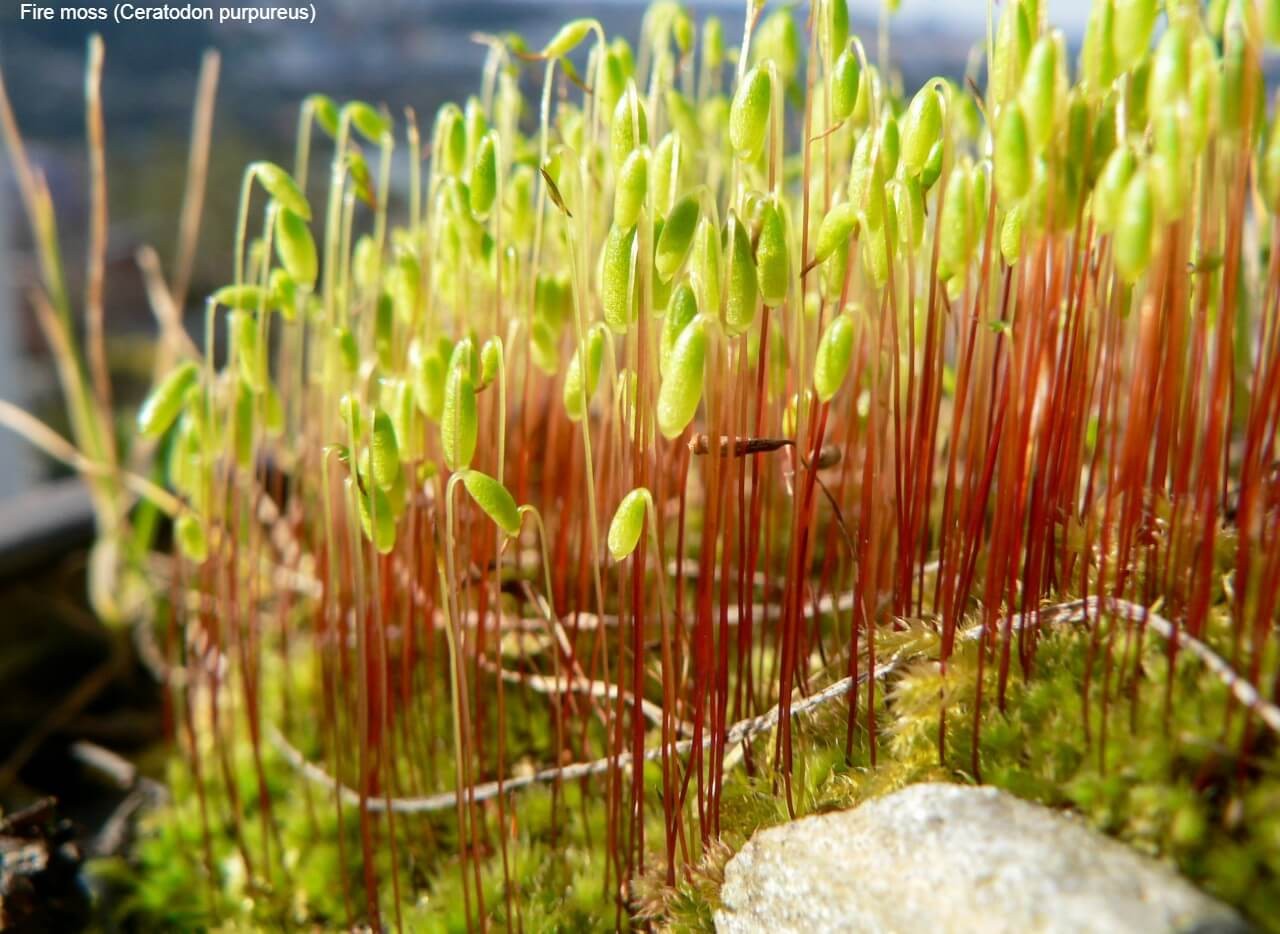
(817, 434)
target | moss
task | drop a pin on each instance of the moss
(1164, 781)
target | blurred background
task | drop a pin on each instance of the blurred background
(402, 53)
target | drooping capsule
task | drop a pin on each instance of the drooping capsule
(280, 185)
(618, 279)
(831, 361)
(631, 188)
(681, 309)
(773, 260)
(577, 378)
(630, 128)
(681, 389)
(1097, 55)
(1013, 155)
(1134, 229)
(484, 176)
(1111, 187)
(384, 451)
(251, 357)
(458, 421)
(450, 147)
(836, 229)
(921, 128)
(162, 406)
(377, 518)
(369, 123)
(707, 265)
(296, 247)
(1012, 46)
(242, 297)
(495, 499)
(567, 39)
(1011, 234)
(845, 82)
(188, 532)
(955, 233)
(1043, 86)
(1134, 20)
(742, 293)
(677, 237)
(835, 27)
(628, 523)
(1170, 68)
(777, 39)
(749, 114)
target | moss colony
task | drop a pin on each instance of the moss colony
(704, 436)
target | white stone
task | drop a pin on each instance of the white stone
(941, 858)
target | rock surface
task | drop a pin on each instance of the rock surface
(939, 858)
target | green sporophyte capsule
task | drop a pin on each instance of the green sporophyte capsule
(459, 421)
(1011, 234)
(631, 188)
(1042, 85)
(773, 260)
(1097, 56)
(630, 127)
(778, 39)
(707, 265)
(451, 141)
(956, 233)
(1170, 68)
(188, 532)
(681, 309)
(1134, 20)
(667, 163)
(484, 176)
(495, 499)
(921, 128)
(296, 247)
(1013, 154)
(371, 124)
(242, 297)
(835, 27)
(845, 82)
(749, 113)
(831, 362)
(377, 518)
(166, 401)
(574, 401)
(628, 523)
(1134, 228)
(384, 451)
(280, 185)
(618, 278)
(1012, 47)
(680, 392)
(932, 170)
(836, 229)
(567, 39)
(677, 237)
(251, 358)
(1111, 186)
(743, 293)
